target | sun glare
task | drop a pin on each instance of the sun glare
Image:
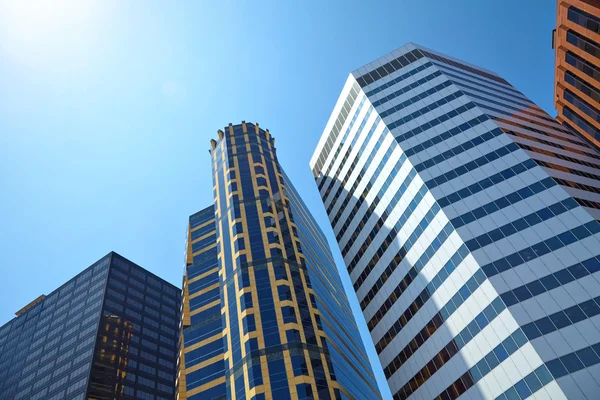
(35, 29)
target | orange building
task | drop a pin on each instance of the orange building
(576, 40)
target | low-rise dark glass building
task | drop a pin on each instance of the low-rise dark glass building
(111, 332)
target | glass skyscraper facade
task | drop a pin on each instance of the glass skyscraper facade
(467, 219)
(111, 332)
(265, 315)
(576, 40)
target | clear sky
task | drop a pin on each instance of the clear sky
(107, 109)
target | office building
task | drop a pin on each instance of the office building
(265, 315)
(467, 219)
(576, 41)
(111, 332)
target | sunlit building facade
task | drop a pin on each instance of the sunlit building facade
(111, 332)
(467, 219)
(265, 315)
(576, 41)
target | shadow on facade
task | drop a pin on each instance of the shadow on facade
(394, 315)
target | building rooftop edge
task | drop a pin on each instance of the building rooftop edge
(229, 128)
(202, 211)
(405, 49)
(40, 298)
(145, 269)
(30, 305)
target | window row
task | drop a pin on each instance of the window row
(418, 98)
(528, 385)
(421, 299)
(402, 252)
(332, 136)
(521, 224)
(585, 44)
(544, 247)
(354, 162)
(581, 123)
(398, 258)
(571, 137)
(583, 65)
(461, 148)
(334, 179)
(503, 202)
(582, 105)
(380, 222)
(480, 85)
(389, 67)
(554, 127)
(494, 358)
(377, 198)
(506, 104)
(436, 121)
(472, 70)
(472, 165)
(582, 86)
(398, 79)
(333, 139)
(552, 154)
(406, 89)
(427, 255)
(499, 354)
(584, 19)
(145, 277)
(487, 182)
(361, 199)
(558, 320)
(436, 322)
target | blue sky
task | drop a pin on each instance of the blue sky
(107, 109)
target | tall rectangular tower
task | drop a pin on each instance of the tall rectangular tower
(109, 333)
(467, 220)
(576, 41)
(265, 315)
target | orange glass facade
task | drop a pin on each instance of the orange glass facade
(576, 41)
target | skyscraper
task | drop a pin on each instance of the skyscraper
(265, 315)
(467, 220)
(576, 40)
(109, 333)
